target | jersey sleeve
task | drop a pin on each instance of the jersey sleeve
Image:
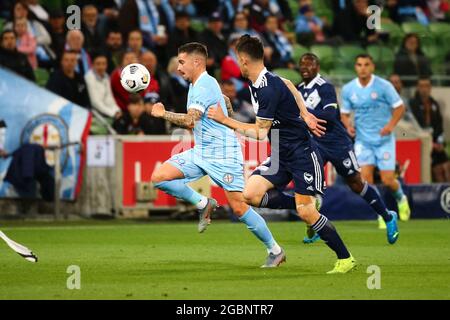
(268, 98)
(346, 106)
(328, 96)
(201, 99)
(392, 97)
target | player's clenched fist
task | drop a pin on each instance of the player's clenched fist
(216, 113)
(158, 110)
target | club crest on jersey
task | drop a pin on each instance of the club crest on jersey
(308, 177)
(347, 163)
(228, 178)
(386, 156)
(445, 200)
(354, 98)
(374, 95)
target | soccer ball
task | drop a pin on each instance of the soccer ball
(135, 78)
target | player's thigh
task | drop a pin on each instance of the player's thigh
(385, 155)
(265, 177)
(367, 172)
(237, 202)
(183, 163)
(307, 173)
(365, 154)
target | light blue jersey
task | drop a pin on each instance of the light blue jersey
(217, 151)
(372, 105)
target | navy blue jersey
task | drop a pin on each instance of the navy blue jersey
(272, 100)
(320, 99)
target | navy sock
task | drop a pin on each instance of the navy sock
(276, 199)
(372, 197)
(329, 234)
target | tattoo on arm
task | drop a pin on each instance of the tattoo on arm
(184, 120)
(229, 105)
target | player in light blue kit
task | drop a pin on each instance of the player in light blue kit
(378, 108)
(217, 153)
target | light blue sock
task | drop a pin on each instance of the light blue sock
(398, 195)
(256, 224)
(180, 190)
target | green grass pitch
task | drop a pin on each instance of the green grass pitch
(155, 260)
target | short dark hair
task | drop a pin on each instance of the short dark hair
(310, 56)
(227, 82)
(251, 46)
(98, 53)
(364, 56)
(423, 78)
(194, 47)
(135, 99)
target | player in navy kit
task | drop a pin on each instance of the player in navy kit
(294, 155)
(335, 145)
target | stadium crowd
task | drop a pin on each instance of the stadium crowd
(84, 65)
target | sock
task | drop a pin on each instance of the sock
(398, 195)
(276, 199)
(202, 203)
(372, 197)
(256, 224)
(180, 190)
(329, 234)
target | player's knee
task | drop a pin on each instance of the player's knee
(252, 197)
(355, 183)
(388, 180)
(157, 177)
(239, 208)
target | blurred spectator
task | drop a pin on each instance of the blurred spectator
(160, 81)
(351, 24)
(120, 94)
(398, 85)
(11, 58)
(57, 24)
(114, 49)
(259, 10)
(427, 112)
(37, 11)
(179, 87)
(243, 110)
(281, 48)
(230, 68)
(410, 60)
(93, 38)
(99, 87)
(75, 42)
(155, 20)
(134, 120)
(308, 27)
(26, 43)
(240, 25)
(156, 125)
(412, 10)
(44, 53)
(68, 83)
(216, 42)
(108, 13)
(183, 33)
(185, 6)
(135, 42)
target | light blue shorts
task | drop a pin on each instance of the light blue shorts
(380, 155)
(227, 173)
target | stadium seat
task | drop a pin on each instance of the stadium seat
(41, 76)
(348, 53)
(326, 55)
(434, 53)
(289, 74)
(439, 28)
(414, 27)
(383, 57)
(293, 5)
(297, 52)
(97, 128)
(394, 31)
(2, 23)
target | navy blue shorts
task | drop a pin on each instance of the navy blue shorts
(342, 157)
(305, 168)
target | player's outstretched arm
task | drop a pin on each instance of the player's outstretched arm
(258, 130)
(184, 120)
(314, 124)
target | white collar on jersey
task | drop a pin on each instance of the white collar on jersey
(260, 78)
(372, 78)
(201, 75)
(317, 79)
